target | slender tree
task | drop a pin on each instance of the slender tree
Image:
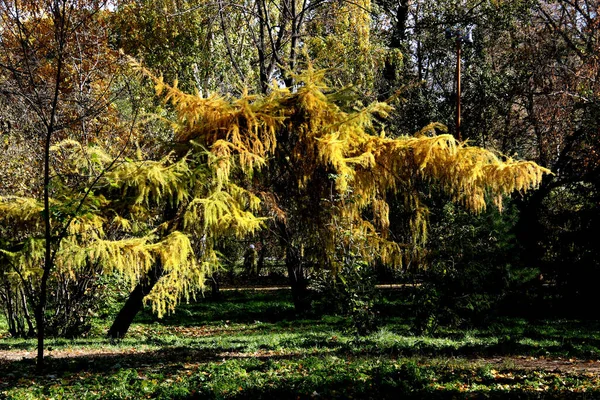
(53, 53)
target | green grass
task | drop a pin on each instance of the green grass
(300, 377)
(251, 345)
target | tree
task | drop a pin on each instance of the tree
(320, 162)
(197, 47)
(55, 62)
(530, 89)
(560, 107)
(72, 221)
(225, 46)
(183, 40)
(114, 228)
(194, 204)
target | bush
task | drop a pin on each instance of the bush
(474, 263)
(350, 292)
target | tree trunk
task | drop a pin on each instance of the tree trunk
(40, 308)
(298, 282)
(40, 324)
(399, 33)
(215, 292)
(27, 316)
(10, 313)
(529, 229)
(134, 303)
(261, 260)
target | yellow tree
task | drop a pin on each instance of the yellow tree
(134, 218)
(320, 161)
(195, 204)
(92, 207)
(56, 67)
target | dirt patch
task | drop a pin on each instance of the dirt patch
(501, 363)
(545, 364)
(273, 288)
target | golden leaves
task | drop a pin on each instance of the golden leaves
(183, 274)
(151, 182)
(22, 209)
(224, 211)
(317, 134)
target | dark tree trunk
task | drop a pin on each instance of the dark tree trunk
(10, 312)
(26, 315)
(215, 291)
(261, 260)
(261, 48)
(529, 229)
(399, 34)
(298, 282)
(134, 303)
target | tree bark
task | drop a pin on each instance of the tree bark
(297, 278)
(399, 33)
(26, 315)
(10, 313)
(215, 291)
(134, 303)
(261, 259)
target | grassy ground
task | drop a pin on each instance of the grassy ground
(251, 345)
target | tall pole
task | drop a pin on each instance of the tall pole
(458, 136)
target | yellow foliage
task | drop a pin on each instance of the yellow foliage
(222, 212)
(364, 164)
(334, 158)
(133, 258)
(25, 263)
(132, 191)
(183, 274)
(22, 209)
(151, 182)
(77, 158)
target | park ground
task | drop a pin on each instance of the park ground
(251, 344)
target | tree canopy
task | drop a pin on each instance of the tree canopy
(314, 148)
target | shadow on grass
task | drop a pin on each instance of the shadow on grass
(252, 362)
(186, 373)
(235, 306)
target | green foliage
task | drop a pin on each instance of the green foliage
(474, 265)
(350, 292)
(177, 39)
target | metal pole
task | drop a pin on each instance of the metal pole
(458, 136)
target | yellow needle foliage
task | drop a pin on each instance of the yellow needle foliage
(120, 224)
(310, 148)
(312, 128)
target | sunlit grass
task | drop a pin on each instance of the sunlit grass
(252, 345)
(323, 376)
(269, 324)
